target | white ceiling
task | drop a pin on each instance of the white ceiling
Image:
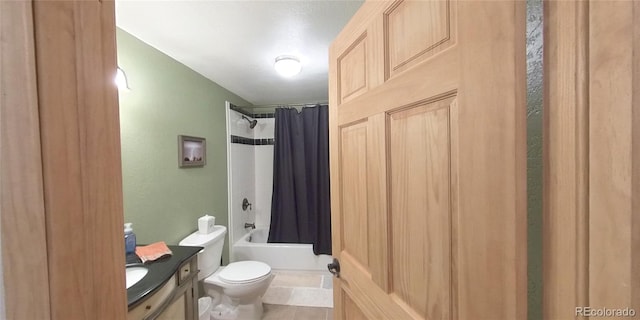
(235, 43)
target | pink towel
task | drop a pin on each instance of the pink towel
(153, 251)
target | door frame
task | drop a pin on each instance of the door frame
(23, 230)
(61, 178)
(591, 209)
(565, 135)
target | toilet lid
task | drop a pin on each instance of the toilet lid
(244, 271)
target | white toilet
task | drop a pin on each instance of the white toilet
(241, 284)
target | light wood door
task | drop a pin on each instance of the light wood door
(428, 163)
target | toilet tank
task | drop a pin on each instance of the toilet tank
(209, 257)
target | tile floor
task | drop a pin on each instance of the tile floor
(296, 295)
(282, 312)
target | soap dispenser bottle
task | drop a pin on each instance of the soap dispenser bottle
(129, 239)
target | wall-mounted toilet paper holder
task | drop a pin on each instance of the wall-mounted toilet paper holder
(246, 204)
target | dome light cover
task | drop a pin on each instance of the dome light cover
(287, 66)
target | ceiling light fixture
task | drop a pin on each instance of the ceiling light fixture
(287, 66)
(121, 80)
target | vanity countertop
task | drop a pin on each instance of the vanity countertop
(160, 271)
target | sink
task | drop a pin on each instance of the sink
(135, 274)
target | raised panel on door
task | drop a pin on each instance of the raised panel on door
(352, 69)
(422, 216)
(351, 310)
(364, 224)
(353, 177)
(415, 31)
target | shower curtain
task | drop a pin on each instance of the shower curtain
(300, 203)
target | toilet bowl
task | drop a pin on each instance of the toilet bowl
(243, 281)
(241, 284)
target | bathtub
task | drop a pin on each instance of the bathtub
(282, 256)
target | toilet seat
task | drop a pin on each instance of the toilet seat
(244, 272)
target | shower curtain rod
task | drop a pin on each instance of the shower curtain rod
(288, 105)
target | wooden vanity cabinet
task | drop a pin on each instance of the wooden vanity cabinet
(177, 299)
(185, 302)
(179, 307)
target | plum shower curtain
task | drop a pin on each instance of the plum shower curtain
(300, 203)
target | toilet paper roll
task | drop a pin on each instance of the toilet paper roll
(206, 223)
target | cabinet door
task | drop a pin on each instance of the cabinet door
(176, 310)
(182, 306)
(153, 303)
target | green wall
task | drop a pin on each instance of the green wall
(534, 157)
(168, 99)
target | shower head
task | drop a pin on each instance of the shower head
(252, 123)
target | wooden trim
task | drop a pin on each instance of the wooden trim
(565, 156)
(635, 158)
(582, 156)
(591, 154)
(24, 251)
(79, 118)
(520, 161)
(611, 249)
(334, 159)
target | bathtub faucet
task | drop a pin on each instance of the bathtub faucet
(250, 225)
